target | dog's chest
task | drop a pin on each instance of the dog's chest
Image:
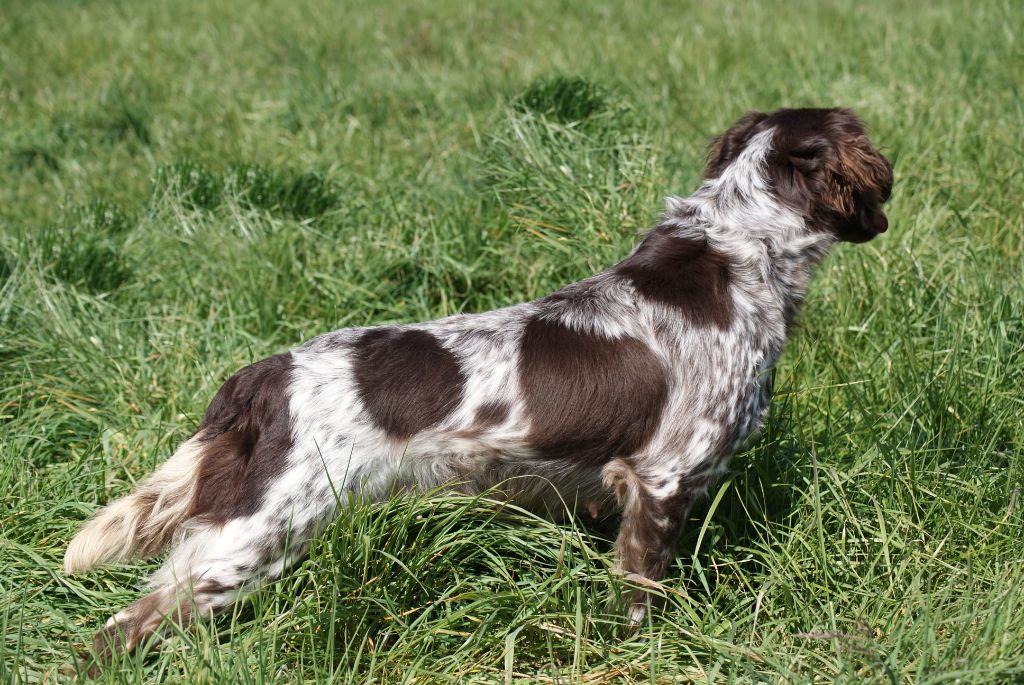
(753, 404)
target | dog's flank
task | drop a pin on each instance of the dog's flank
(587, 397)
(627, 391)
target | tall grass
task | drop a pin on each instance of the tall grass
(188, 187)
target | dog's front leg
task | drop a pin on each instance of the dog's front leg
(652, 519)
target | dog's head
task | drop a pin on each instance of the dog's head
(821, 163)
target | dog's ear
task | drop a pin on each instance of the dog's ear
(835, 168)
(724, 149)
(855, 167)
(802, 171)
(810, 155)
(864, 168)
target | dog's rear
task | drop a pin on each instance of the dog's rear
(244, 432)
(214, 477)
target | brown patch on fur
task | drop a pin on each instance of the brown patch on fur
(684, 273)
(108, 642)
(490, 414)
(213, 587)
(148, 546)
(486, 416)
(588, 397)
(248, 433)
(142, 619)
(407, 381)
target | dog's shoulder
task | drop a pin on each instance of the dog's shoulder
(685, 273)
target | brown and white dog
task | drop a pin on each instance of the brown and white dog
(626, 391)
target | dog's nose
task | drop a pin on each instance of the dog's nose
(881, 224)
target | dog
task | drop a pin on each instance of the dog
(625, 392)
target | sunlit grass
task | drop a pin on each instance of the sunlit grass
(188, 187)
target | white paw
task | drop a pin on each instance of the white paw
(636, 614)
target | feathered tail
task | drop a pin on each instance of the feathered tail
(141, 524)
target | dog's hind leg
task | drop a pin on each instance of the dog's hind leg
(175, 603)
(652, 518)
(213, 567)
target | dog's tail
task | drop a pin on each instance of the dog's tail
(141, 524)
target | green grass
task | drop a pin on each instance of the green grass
(188, 187)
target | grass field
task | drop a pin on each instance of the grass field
(188, 187)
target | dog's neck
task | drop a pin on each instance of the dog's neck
(738, 214)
